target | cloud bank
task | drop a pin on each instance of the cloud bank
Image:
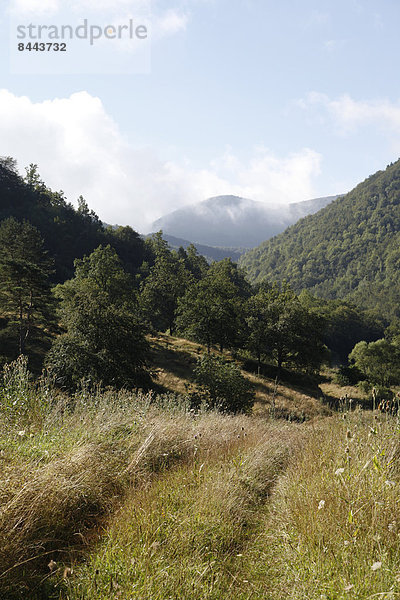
(79, 148)
(348, 114)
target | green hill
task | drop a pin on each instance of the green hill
(348, 250)
(68, 233)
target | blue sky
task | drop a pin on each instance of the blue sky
(276, 101)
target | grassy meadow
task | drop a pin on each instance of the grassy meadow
(109, 495)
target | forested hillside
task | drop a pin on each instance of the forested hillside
(67, 233)
(348, 250)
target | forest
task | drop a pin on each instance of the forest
(348, 251)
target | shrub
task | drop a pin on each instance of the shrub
(348, 375)
(223, 385)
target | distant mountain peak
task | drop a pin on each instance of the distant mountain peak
(234, 221)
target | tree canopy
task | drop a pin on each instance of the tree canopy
(103, 340)
(26, 305)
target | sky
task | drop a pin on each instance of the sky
(274, 101)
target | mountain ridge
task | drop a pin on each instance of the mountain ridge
(232, 221)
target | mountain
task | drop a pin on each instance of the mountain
(209, 252)
(349, 249)
(231, 221)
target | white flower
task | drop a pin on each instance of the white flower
(321, 504)
(339, 471)
(376, 566)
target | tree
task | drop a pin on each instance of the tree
(195, 263)
(25, 295)
(258, 318)
(104, 340)
(224, 385)
(9, 163)
(344, 324)
(165, 284)
(379, 361)
(211, 310)
(292, 333)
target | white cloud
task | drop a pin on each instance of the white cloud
(80, 149)
(349, 114)
(169, 23)
(31, 7)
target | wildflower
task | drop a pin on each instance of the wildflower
(376, 566)
(21, 433)
(52, 565)
(67, 572)
(321, 504)
(339, 471)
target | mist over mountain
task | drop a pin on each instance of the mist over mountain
(231, 221)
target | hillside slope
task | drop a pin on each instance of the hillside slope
(350, 249)
(68, 233)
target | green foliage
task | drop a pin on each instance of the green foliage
(68, 233)
(166, 283)
(379, 362)
(348, 375)
(194, 262)
(281, 327)
(348, 250)
(224, 385)
(25, 296)
(104, 341)
(344, 324)
(211, 312)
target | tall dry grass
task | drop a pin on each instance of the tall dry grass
(69, 464)
(182, 536)
(333, 527)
